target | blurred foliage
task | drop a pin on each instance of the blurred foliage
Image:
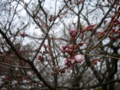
(98, 89)
(62, 89)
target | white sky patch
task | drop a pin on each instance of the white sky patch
(52, 5)
(106, 41)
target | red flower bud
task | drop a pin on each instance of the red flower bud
(75, 50)
(64, 46)
(94, 62)
(74, 34)
(81, 43)
(71, 31)
(50, 19)
(23, 35)
(91, 25)
(40, 58)
(62, 50)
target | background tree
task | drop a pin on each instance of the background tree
(59, 44)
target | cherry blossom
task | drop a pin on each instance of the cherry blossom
(79, 58)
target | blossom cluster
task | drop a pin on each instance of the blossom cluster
(71, 50)
(52, 18)
(73, 33)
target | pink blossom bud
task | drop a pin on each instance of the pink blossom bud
(75, 50)
(91, 25)
(71, 46)
(62, 50)
(113, 29)
(115, 23)
(89, 28)
(64, 46)
(65, 62)
(71, 31)
(66, 50)
(73, 61)
(115, 20)
(74, 34)
(81, 43)
(69, 60)
(79, 58)
(70, 51)
(50, 19)
(94, 62)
